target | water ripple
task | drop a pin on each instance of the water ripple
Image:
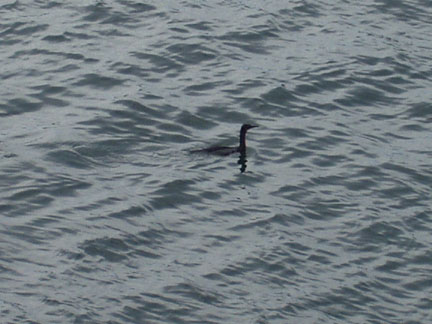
(327, 221)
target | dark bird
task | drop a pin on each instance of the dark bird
(227, 150)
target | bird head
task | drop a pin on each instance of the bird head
(245, 127)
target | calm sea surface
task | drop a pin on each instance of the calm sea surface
(105, 217)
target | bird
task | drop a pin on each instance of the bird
(228, 150)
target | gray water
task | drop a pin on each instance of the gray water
(106, 218)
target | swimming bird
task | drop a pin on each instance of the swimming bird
(227, 150)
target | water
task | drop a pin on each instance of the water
(106, 218)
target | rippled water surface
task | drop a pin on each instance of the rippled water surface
(105, 217)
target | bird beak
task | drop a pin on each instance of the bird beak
(253, 126)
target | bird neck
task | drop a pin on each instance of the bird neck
(242, 146)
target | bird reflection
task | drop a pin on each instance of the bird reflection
(242, 161)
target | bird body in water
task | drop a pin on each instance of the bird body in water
(228, 150)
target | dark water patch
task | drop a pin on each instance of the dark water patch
(319, 259)
(230, 212)
(398, 80)
(110, 249)
(325, 209)
(292, 193)
(188, 119)
(369, 79)
(97, 12)
(404, 11)
(31, 206)
(146, 307)
(220, 240)
(56, 38)
(325, 143)
(272, 149)
(22, 29)
(159, 63)
(131, 69)
(137, 7)
(97, 81)
(252, 36)
(422, 258)
(155, 237)
(272, 221)
(219, 114)
(244, 87)
(160, 112)
(97, 153)
(73, 35)
(120, 130)
(416, 175)
(172, 137)
(364, 96)
(329, 160)
(174, 193)
(68, 68)
(358, 184)
(120, 20)
(296, 153)
(395, 64)
(134, 124)
(330, 78)
(51, 5)
(21, 172)
(12, 6)
(65, 187)
(420, 76)
(421, 222)
(199, 89)
(42, 52)
(70, 158)
(409, 128)
(194, 292)
(40, 194)
(133, 211)
(422, 111)
(307, 89)
(47, 222)
(150, 96)
(268, 109)
(19, 106)
(48, 89)
(379, 233)
(279, 96)
(210, 195)
(391, 266)
(191, 53)
(95, 206)
(166, 310)
(269, 269)
(32, 234)
(55, 102)
(246, 42)
(202, 25)
(307, 10)
(25, 194)
(7, 271)
(179, 30)
(401, 191)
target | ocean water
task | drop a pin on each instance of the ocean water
(105, 217)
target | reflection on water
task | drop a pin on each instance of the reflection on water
(242, 161)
